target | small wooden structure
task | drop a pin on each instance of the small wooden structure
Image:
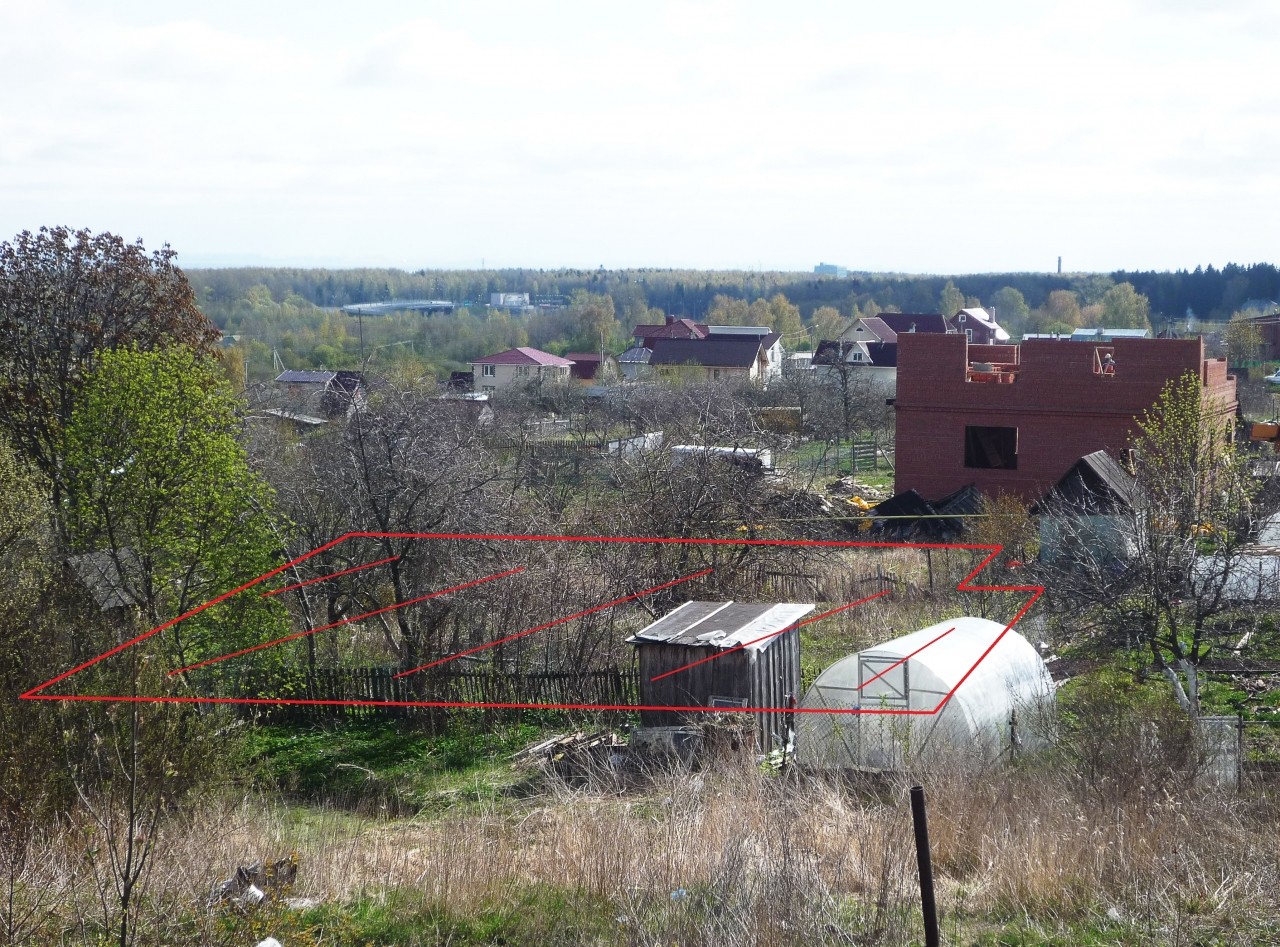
(749, 656)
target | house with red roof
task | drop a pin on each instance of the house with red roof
(725, 350)
(673, 328)
(519, 366)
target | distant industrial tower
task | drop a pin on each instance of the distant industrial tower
(1059, 266)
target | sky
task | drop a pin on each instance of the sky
(919, 137)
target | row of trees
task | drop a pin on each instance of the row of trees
(1208, 292)
(278, 319)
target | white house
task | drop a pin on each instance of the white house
(519, 366)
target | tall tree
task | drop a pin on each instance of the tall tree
(1062, 308)
(785, 318)
(1011, 308)
(950, 300)
(1176, 575)
(1243, 339)
(66, 297)
(827, 323)
(1123, 307)
(162, 486)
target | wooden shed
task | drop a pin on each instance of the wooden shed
(755, 662)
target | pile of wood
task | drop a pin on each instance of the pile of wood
(575, 756)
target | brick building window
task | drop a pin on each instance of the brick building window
(991, 448)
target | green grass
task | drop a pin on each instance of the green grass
(532, 915)
(380, 763)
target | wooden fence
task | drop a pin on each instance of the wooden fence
(379, 685)
(849, 457)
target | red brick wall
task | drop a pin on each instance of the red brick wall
(1061, 408)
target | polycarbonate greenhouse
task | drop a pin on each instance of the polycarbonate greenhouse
(996, 700)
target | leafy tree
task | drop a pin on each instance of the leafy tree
(951, 300)
(1176, 587)
(29, 787)
(162, 485)
(1123, 307)
(1063, 306)
(598, 326)
(1011, 308)
(727, 311)
(784, 318)
(827, 323)
(65, 298)
(1243, 339)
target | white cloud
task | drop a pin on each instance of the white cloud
(698, 133)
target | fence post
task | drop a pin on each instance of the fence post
(1239, 752)
(924, 863)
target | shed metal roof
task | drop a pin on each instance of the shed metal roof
(750, 625)
(1096, 483)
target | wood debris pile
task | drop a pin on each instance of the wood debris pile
(575, 756)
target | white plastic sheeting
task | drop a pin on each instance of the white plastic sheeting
(995, 700)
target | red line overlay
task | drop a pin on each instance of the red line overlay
(965, 585)
(347, 621)
(907, 658)
(772, 634)
(274, 702)
(558, 621)
(332, 575)
(185, 615)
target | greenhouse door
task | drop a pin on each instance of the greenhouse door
(885, 738)
(882, 679)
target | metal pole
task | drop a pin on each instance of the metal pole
(925, 865)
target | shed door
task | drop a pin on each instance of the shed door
(883, 680)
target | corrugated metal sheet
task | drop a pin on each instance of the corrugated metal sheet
(763, 671)
(722, 624)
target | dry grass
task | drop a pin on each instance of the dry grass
(738, 857)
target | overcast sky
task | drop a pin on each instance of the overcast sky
(916, 137)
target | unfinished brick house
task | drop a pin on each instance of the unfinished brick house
(1014, 418)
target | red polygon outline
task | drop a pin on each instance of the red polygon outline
(965, 585)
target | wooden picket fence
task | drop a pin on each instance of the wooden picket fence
(360, 691)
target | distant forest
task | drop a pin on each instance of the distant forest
(1207, 292)
(291, 314)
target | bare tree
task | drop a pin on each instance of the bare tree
(406, 463)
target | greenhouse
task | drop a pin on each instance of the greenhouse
(996, 702)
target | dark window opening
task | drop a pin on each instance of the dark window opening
(991, 448)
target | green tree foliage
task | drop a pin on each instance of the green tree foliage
(784, 318)
(1125, 308)
(65, 298)
(1011, 309)
(950, 300)
(1169, 575)
(727, 311)
(162, 485)
(25, 572)
(599, 326)
(1062, 307)
(1243, 339)
(827, 323)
